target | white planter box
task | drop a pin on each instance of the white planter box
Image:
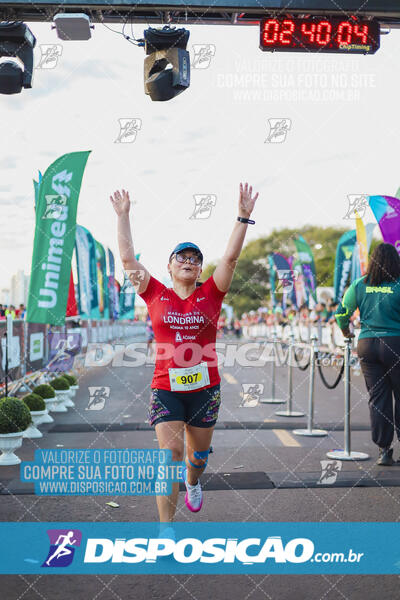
(59, 405)
(8, 443)
(74, 389)
(46, 418)
(68, 402)
(50, 404)
(32, 431)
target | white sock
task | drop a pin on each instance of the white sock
(190, 486)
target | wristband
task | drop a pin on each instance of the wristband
(243, 220)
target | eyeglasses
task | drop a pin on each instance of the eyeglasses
(194, 260)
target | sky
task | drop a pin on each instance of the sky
(343, 138)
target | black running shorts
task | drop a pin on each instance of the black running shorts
(198, 408)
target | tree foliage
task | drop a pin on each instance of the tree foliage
(250, 286)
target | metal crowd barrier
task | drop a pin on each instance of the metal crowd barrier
(328, 335)
(347, 453)
(289, 412)
(32, 346)
(271, 399)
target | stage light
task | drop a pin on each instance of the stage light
(73, 26)
(167, 66)
(16, 42)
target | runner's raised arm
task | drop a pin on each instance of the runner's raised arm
(223, 273)
(137, 273)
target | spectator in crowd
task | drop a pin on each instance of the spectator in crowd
(331, 311)
(237, 328)
(224, 325)
(280, 318)
(10, 311)
(220, 326)
(331, 320)
(20, 311)
(270, 318)
(292, 315)
(319, 313)
(304, 314)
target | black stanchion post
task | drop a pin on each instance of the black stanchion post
(310, 431)
(289, 412)
(347, 453)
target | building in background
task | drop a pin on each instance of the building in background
(19, 289)
(5, 296)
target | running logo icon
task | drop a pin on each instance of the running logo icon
(203, 54)
(50, 55)
(285, 280)
(330, 471)
(357, 204)
(251, 393)
(54, 205)
(278, 129)
(62, 547)
(135, 276)
(97, 397)
(128, 129)
(203, 205)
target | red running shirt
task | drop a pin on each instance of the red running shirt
(184, 330)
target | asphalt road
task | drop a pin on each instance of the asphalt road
(259, 471)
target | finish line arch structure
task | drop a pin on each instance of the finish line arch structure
(212, 12)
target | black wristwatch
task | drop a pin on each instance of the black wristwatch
(243, 220)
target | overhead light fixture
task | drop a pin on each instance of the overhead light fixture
(73, 26)
(16, 43)
(167, 65)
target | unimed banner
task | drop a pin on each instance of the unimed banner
(272, 278)
(102, 283)
(344, 255)
(86, 260)
(301, 291)
(112, 292)
(54, 241)
(284, 275)
(127, 298)
(83, 264)
(306, 258)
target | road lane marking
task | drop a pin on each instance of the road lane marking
(286, 438)
(230, 378)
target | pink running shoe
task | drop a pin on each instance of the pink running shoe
(194, 495)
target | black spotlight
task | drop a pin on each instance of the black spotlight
(167, 66)
(17, 41)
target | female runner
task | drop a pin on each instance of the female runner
(185, 387)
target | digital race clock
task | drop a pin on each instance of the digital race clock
(319, 34)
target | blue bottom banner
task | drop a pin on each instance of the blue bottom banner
(210, 547)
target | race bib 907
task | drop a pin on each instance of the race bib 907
(189, 378)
